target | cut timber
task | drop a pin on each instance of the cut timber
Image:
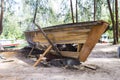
(91, 41)
(41, 57)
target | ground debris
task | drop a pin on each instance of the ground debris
(107, 68)
(90, 66)
(4, 61)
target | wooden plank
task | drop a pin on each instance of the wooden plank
(63, 36)
(70, 26)
(93, 38)
(68, 54)
(40, 58)
(79, 47)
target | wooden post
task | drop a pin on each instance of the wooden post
(40, 58)
(113, 22)
(91, 41)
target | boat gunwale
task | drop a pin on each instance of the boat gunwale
(71, 25)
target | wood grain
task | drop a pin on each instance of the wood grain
(91, 41)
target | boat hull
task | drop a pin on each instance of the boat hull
(86, 34)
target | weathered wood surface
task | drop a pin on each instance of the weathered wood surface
(63, 34)
(91, 41)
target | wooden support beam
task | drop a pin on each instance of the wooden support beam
(91, 41)
(41, 57)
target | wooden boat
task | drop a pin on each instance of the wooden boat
(85, 34)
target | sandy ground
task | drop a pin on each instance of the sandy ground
(103, 57)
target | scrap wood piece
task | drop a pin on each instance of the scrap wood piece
(30, 52)
(4, 61)
(90, 66)
(72, 67)
(41, 57)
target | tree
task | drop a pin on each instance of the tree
(1, 16)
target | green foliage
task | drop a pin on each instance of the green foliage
(50, 12)
(11, 29)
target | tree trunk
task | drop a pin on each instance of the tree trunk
(117, 23)
(1, 16)
(94, 10)
(72, 11)
(113, 23)
(76, 12)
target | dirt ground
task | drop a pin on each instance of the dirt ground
(104, 57)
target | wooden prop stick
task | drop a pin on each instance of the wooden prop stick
(50, 42)
(35, 11)
(31, 52)
(44, 34)
(41, 57)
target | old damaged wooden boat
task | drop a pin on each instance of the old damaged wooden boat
(85, 34)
